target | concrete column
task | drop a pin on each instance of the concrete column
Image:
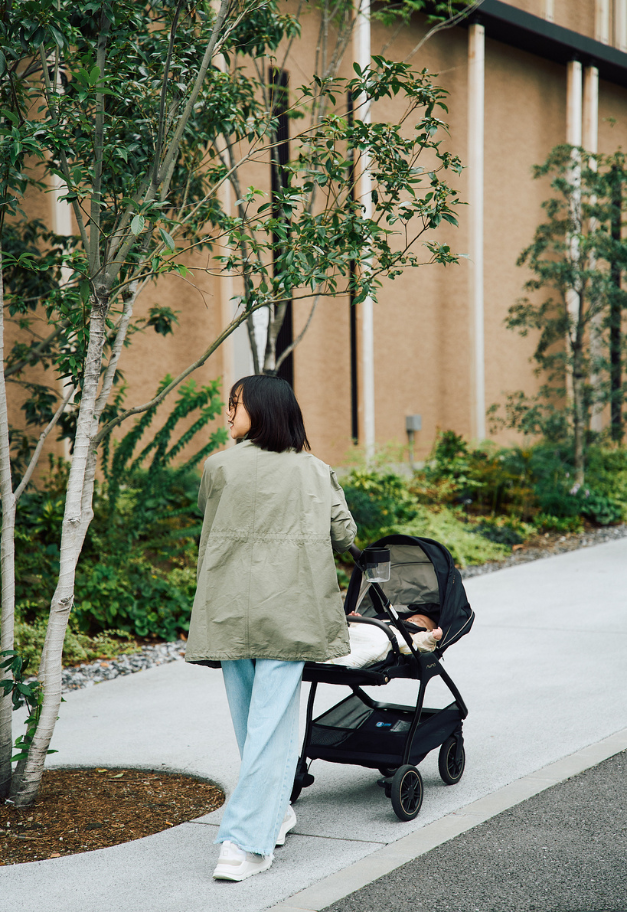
(235, 351)
(602, 21)
(361, 55)
(476, 80)
(224, 290)
(590, 119)
(574, 93)
(620, 24)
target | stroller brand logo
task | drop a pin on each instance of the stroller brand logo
(383, 724)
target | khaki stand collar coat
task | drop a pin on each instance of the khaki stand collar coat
(267, 586)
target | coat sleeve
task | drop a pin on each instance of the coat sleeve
(205, 488)
(203, 497)
(343, 528)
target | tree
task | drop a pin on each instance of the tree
(138, 113)
(578, 255)
(282, 107)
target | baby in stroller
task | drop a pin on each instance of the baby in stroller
(370, 645)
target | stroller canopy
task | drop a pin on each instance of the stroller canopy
(423, 580)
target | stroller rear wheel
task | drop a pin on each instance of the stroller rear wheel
(406, 792)
(301, 780)
(451, 762)
(387, 771)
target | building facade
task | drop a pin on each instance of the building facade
(522, 76)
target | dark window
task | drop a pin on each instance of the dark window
(280, 158)
(353, 316)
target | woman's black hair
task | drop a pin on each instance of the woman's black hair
(276, 421)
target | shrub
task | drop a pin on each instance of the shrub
(383, 503)
(524, 483)
(448, 527)
(378, 500)
(77, 647)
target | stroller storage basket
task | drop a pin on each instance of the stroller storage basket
(375, 736)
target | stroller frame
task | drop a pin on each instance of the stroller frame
(389, 737)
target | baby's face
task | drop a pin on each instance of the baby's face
(421, 620)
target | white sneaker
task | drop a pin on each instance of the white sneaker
(236, 864)
(289, 822)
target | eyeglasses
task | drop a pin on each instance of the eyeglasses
(233, 403)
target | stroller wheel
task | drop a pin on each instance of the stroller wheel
(406, 792)
(451, 766)
(387, 771)
(301, 781)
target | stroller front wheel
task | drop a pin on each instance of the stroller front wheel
(406, 792)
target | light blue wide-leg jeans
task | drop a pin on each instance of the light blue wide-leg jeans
(264, 699)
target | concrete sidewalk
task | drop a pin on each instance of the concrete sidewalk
(543, 673)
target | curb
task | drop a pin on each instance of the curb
(382, 861)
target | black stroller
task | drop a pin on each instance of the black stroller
(396, 576)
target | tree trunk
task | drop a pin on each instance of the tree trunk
(7, 552)
(616, 416)
(578, 428)
(277, 315)
(76, 520)
(579, 410)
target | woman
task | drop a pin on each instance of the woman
(267, 602)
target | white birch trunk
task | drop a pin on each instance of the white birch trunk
(8, 562)
(77, 517)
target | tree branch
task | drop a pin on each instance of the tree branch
(237, 321)
(175, 142)
(35, 352)
(42, 439)
(164, 90)
(448, 23)
(299, 338)
(63, 157)
(96, 195)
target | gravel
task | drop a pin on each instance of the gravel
(106, 669)
(553, 544)
(150, 656)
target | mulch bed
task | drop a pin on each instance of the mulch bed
(81, 810)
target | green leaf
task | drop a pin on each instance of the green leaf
(167, 239)
(137, 225)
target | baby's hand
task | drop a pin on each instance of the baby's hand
(356, 613)
(437, 633)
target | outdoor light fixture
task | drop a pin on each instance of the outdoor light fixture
(413, 423)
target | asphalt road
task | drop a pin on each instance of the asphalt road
(565, 850)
